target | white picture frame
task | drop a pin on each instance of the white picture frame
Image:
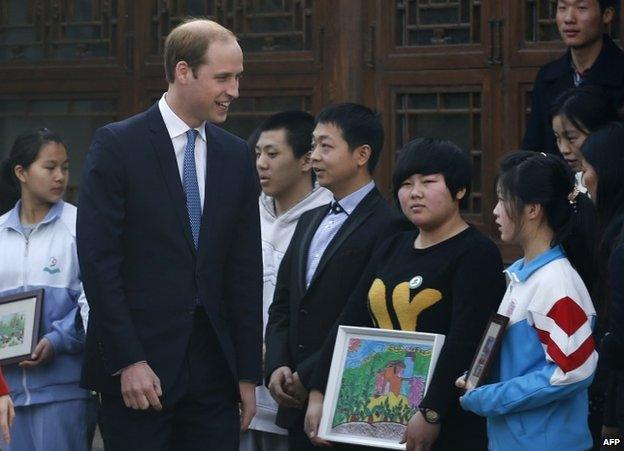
(376, 382)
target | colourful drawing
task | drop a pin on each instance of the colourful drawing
(381, 388)
(12, 329)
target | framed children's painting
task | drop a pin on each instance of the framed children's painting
(377, 379)
(19, 325)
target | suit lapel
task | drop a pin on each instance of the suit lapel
(357, 217)
(304, 247)
(214, 163)
(163, 148)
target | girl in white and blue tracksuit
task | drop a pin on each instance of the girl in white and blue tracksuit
(537, 396)
(37, 238)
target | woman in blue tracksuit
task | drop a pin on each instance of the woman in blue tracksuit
(537, 396)
(37, 238)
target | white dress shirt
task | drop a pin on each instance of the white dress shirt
(177, 129)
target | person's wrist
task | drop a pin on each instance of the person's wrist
(431, 416)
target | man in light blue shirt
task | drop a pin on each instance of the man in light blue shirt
(326, 257)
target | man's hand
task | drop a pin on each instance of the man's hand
(296, 389)
(44, 352)
(313, 418)
(140, 387)
(280, 379)
(420, 435)
(247, 404)
(7, 415)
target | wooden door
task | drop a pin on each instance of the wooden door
(281, 42)
(65, 65)
(435, 72)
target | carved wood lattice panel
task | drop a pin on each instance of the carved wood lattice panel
(437, 22)
(540, 25)
(260, 25)
(248, 112)
(57, 29)
(74, 119)
(454, 116)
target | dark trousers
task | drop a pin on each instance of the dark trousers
(201, 415)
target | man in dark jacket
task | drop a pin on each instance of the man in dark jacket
(592, 58)
(326, 257)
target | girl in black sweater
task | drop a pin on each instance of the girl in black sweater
(444, 278)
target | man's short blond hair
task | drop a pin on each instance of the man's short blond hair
(189, 42)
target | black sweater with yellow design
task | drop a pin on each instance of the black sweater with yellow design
(450, 288)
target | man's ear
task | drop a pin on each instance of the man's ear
(460, 194)
(363, 154)
(608, 15)
(306, 162)
(183, 72)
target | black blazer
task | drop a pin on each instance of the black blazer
(140, 269)
(300, 319)
(556, 77)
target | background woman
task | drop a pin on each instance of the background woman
(575, 114)
(444, 278)
(37, 238)
(538, 396)
(603, 174)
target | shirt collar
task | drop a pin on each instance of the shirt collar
(175, 125)
(520, 272)
(13, 220)
(348, 203)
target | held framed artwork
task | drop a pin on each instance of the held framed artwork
(488, 347)
(376, 382)
(20, 314)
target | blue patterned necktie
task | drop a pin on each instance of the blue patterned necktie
(191, 188)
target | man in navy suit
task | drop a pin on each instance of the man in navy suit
(169, 247)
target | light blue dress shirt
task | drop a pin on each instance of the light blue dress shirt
(329, 227)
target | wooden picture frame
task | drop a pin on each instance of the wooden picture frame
(487, 349)
(20, 316)
(377, 379)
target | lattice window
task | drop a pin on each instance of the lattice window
(57, 29)
(454, 116)
(540, 25)
(248, 112)
(437, 22)
(260, 25)
(74, 119)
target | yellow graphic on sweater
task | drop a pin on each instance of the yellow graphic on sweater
(406, 310)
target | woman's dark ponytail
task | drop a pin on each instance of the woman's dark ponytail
(536, 178)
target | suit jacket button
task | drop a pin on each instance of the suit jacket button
(300, 347)
(303, 311)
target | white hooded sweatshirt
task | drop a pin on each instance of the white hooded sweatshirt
(277, 232)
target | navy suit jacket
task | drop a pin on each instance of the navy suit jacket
(140, 269)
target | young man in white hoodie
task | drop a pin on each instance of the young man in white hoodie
(288, 190)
